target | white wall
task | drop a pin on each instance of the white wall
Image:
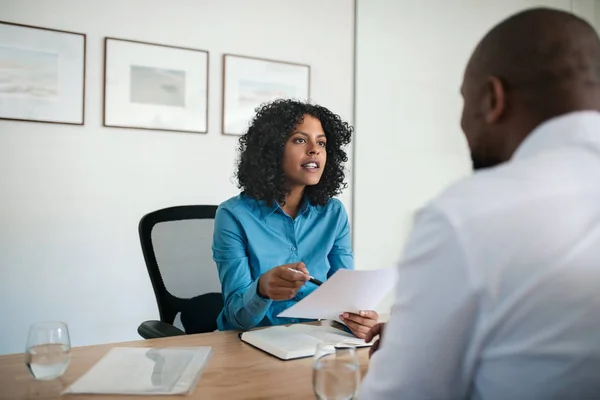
(71, 197)
(586, 9)
(409, 145)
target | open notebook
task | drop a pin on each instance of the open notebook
(297, 341)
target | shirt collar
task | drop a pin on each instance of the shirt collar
(580, 128)
(266, 210)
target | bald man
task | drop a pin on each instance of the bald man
(498, 296)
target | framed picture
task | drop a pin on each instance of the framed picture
(249, 82)
(155, 86)
(42, 74)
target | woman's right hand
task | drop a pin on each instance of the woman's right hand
(282, 283)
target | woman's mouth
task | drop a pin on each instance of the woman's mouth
(310, 166)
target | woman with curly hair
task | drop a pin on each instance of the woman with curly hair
(285, 222)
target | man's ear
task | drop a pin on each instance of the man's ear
(496, 102)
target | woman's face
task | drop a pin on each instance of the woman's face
(304, 154)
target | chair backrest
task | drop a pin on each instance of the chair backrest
(176, 243)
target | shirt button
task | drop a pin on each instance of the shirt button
(293, 248)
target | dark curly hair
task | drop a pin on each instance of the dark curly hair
(259, 170)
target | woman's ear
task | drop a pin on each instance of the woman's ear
(495, 105)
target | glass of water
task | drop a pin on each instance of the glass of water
(336, 373)
(48, 351)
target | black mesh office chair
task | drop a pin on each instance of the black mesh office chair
(176, 243)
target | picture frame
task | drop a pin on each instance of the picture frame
(249, 82)
(155, 86)
(42, 74)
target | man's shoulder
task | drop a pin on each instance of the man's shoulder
(481, 194)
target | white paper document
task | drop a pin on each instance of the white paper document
(346, 291)
(144, 371)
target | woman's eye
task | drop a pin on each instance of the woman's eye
(322, 144)
(299, 140)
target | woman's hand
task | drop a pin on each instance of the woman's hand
(360, 324)
(282, 283)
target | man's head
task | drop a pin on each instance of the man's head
(531, 67)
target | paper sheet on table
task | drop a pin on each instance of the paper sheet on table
(345, 291)
(143, 370)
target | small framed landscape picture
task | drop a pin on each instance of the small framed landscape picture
(42, 74)
(155, 86)
(249, 82)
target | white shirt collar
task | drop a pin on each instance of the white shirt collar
(572, 129)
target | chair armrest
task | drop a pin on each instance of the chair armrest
(158, 329)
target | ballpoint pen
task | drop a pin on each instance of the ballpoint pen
(311, 279)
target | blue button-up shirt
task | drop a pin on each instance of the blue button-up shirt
(251, 237)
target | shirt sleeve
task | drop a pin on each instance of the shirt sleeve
(340, 255)
(243, 307)
(423, 353)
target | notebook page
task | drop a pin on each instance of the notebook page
(329, 334)
(281, 338)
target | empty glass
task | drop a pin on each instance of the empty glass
(48, 351)
(336, 373)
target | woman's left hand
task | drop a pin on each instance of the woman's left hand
(360, 323)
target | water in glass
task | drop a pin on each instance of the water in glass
(336, 373)
(48, 350)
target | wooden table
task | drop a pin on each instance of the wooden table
(236, 370)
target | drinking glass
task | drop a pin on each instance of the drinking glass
(336, 373)
(48, 350)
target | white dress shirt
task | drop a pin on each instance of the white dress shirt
(498, 293)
